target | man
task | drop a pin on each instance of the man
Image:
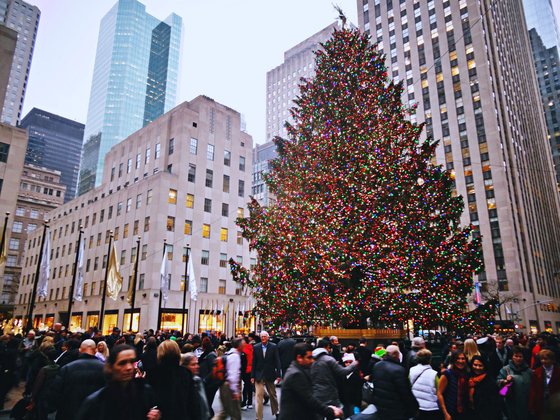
(326, 373)
(230, 390)
(77, 380)
(70, 352)
(391, 389)
(286, 351)
(265, 370)
(297, 400)
(335, 349)
(417, 344)
(364, 356)
(113, 338)
(499, 358)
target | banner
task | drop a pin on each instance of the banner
(44, 269)
(79, 287)
(164, 276)
(132, 285)
(192, 279)
(114, 278)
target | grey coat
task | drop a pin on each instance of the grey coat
(326, 374)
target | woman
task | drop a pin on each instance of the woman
(484, 400)
(148, 359)
(139, 343)
(471, 349)
(544, 394)
(200, 409)
(423, 380)
(39, 358)
(173, 384)
(453, 389)
(518, 375)
(206, 362)
(247, 397)
(102, 351)
(125, 397)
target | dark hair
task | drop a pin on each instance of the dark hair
(72, 344)
(517, 350)
(301, 349)
(115, 351)
(236, 342)
(455, 355)
(151, 343)
(324, 342)
(207, 344)
(481, 360)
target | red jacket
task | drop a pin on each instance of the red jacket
(536, 393)
(248, 350)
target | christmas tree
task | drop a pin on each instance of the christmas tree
(365, 224)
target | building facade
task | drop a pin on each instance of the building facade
(464, 63)
(40, 191)
(24, 19)
(545, 42)
(8, 41)
(262, 155)
(184, 179)
(49, 135)
(134, 81)
(282, 82)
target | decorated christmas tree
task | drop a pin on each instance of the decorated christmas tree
(364, 223)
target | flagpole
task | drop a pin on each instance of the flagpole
(160, 293)
(103, 296)
(184, 323)
(73, 284)
(4, 233)
(29, 323)
(133, 285)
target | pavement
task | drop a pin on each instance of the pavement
(15, 395)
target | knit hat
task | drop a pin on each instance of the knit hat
(348, 356)
(379, 352)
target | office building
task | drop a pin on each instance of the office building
(24, 19)
(183, 178)
(55, 143)
(545, 42)
(8, 41)
(282, 82)
(134, 81)
(40, 191)
(262, 155)
(464, 63)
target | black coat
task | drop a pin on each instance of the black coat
(286, 352)
(266, 368)
(74, 383)
(68, 357)
(174, 389)
(392, 394)
(364, 357)
(297, 401)
(487, 402)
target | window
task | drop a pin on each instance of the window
(123, 256)
(170, 223)
(31, 227)
(171, 147)
(188, 227)
(223, 260)
(240, 212)
(206, 230)
(96, 264)
(222, 287)
(192, 173)
(135, 228)
(194, 146)
(128, 204)
(208, 205)
(17, 227)
(11, 260)
(119, 211)
(121, 167)
(210, 152)
(116, 233)
(139, 201)
(14, 244)
(148, 153)
(239, 238)
(172, 196)
(205, 257)
(190, 201)
(225, 209)
(204, 285)
(128, 166)
(125, 231)
(34, 214)
(242, 163)
(141, 281)
(225, 187)
(99, 239)
(138, 160)
(157, 151)
(223, 234)
(227, 158)
(209, 178)
(110, 215)
(170, 254)
(144, 252)
(101, 217)
(107, 236)
(4, 151)
(20, 211)
(146, 223)
(148, 197)
(241, 188)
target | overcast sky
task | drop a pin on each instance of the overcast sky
(228, 46)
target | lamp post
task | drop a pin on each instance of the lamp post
(133, 285)
(184, 324)
(29, 322)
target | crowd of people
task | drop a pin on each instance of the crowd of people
(165, 375)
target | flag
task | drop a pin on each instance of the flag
(114, 278)
(4, 250)
(43, 282)
(79, 287)
(222, 312)
(164, 276)
(132, 285)
(192, 279)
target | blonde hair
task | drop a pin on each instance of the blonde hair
(470, 349)
(169, 351)
(138, 337)
(105, 351)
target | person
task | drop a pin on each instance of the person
(124, 397)
(77, 380)
(392, 394)
(173, 384)
(102, 351)
(424, 383)
(265, 370)
(70, 352)
(336, 350)
(297, 401)
(200, 409)
(230, 391)
(8, 365)
(470, 349)
(351, 389)
(326, 373)
(206, 362)
(453, 389)
(148, 359)
(364, 356)
(139, 343)
(500, 357)
(484, 400)
(417, 344)
(518, 374)
(113, 337)
(42, 356)
(285, 351)
(247, 397)
(545, 387)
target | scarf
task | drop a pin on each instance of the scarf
(472, 384)
(462, 387)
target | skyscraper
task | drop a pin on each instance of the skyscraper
(55, 143)
(464, 65)
(134, 81)
(545, 41)
(24, 19)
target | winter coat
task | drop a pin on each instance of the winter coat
(423, 382)
(286, 353)
(174, 389)
(326, 374)
(297, 401)
(391, 391)
(538, 386)
(266, 367)
(517, 398)
(486, 403)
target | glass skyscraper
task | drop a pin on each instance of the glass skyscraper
(545, 42)
(55, 143)
(134, 81)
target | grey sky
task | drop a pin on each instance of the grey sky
(228, 46)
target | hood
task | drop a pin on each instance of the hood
(319, 351)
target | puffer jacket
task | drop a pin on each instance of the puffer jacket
(326, 374)
(391, 391)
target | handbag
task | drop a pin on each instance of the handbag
(505, 389)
